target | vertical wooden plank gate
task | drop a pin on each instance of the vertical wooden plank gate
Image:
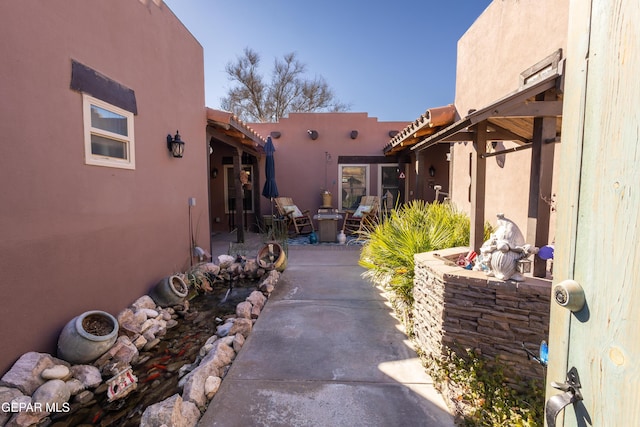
(598, 229)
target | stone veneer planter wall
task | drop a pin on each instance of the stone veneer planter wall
(462, 309)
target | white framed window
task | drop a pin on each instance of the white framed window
(353, 183)
(108, 134)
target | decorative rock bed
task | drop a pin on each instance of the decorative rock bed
(40, 387)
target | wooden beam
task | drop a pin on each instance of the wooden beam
(530, 109)
(421, 176)
(540, 183)
(460, 137)
(478, 187)
(233, 142)
(499, 133)
(239, 196)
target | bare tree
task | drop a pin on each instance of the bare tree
(254, 100)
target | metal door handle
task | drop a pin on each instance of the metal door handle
(571, 394)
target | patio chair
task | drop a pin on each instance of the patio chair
(295, 217)
(365, 217)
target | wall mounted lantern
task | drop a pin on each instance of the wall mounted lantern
(175, 145)
(275, 134)
(432, 171)
(354, 134)
(214, 173)
(313, 134)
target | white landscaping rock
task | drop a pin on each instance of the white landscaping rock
(7, 394)
(25, 374)
(210, 267)
(225, 260)
(238, 342)
(243, 310)
(211, 386)
(53, 393)
(257, 299)
(56, 372)
(88, 375)
(241, 326)
(74, 386)
(151, 313)
(144, 301)
(172, 411)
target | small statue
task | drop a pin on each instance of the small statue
(500, 254)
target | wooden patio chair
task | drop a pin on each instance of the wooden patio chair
(365, 217)
(295, 217)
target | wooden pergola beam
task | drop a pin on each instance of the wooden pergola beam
(478, 187)
(239, 195)
(540, 184)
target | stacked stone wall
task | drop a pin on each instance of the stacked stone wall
(461, 309)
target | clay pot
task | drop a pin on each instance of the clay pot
(271, 257)
(87, 337)
(169, 291)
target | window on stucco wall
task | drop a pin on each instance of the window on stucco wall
(108, 134)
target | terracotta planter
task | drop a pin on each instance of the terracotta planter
(271, 257)
(169, 291)
(87, 337)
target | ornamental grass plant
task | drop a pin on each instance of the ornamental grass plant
(415, 227)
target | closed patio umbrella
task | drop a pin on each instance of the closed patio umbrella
(270, 189)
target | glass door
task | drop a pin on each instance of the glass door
(389, 187)
(353, 184)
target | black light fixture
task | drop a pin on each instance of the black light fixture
(313, 134)
(432, 171)
(175, 145)
(354, 134)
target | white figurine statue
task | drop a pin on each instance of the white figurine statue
(500, 254)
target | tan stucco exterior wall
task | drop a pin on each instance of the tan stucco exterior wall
(302, 168)
(509, 37)
(77, 237)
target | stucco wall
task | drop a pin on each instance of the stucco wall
(509, 37)
(302, 169)
(77, 237)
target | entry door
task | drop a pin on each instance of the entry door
(598, 229)
(389, 187)
(353, 184)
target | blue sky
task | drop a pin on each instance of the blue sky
(390, 59)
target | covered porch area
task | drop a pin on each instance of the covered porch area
(530, 118)
(235, 153)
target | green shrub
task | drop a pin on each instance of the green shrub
(481, 396)
(413, 228)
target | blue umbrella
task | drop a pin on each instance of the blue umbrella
(270, 189)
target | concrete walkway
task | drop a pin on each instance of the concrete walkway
(326, 351)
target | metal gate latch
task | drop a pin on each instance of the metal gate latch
(571, 394)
